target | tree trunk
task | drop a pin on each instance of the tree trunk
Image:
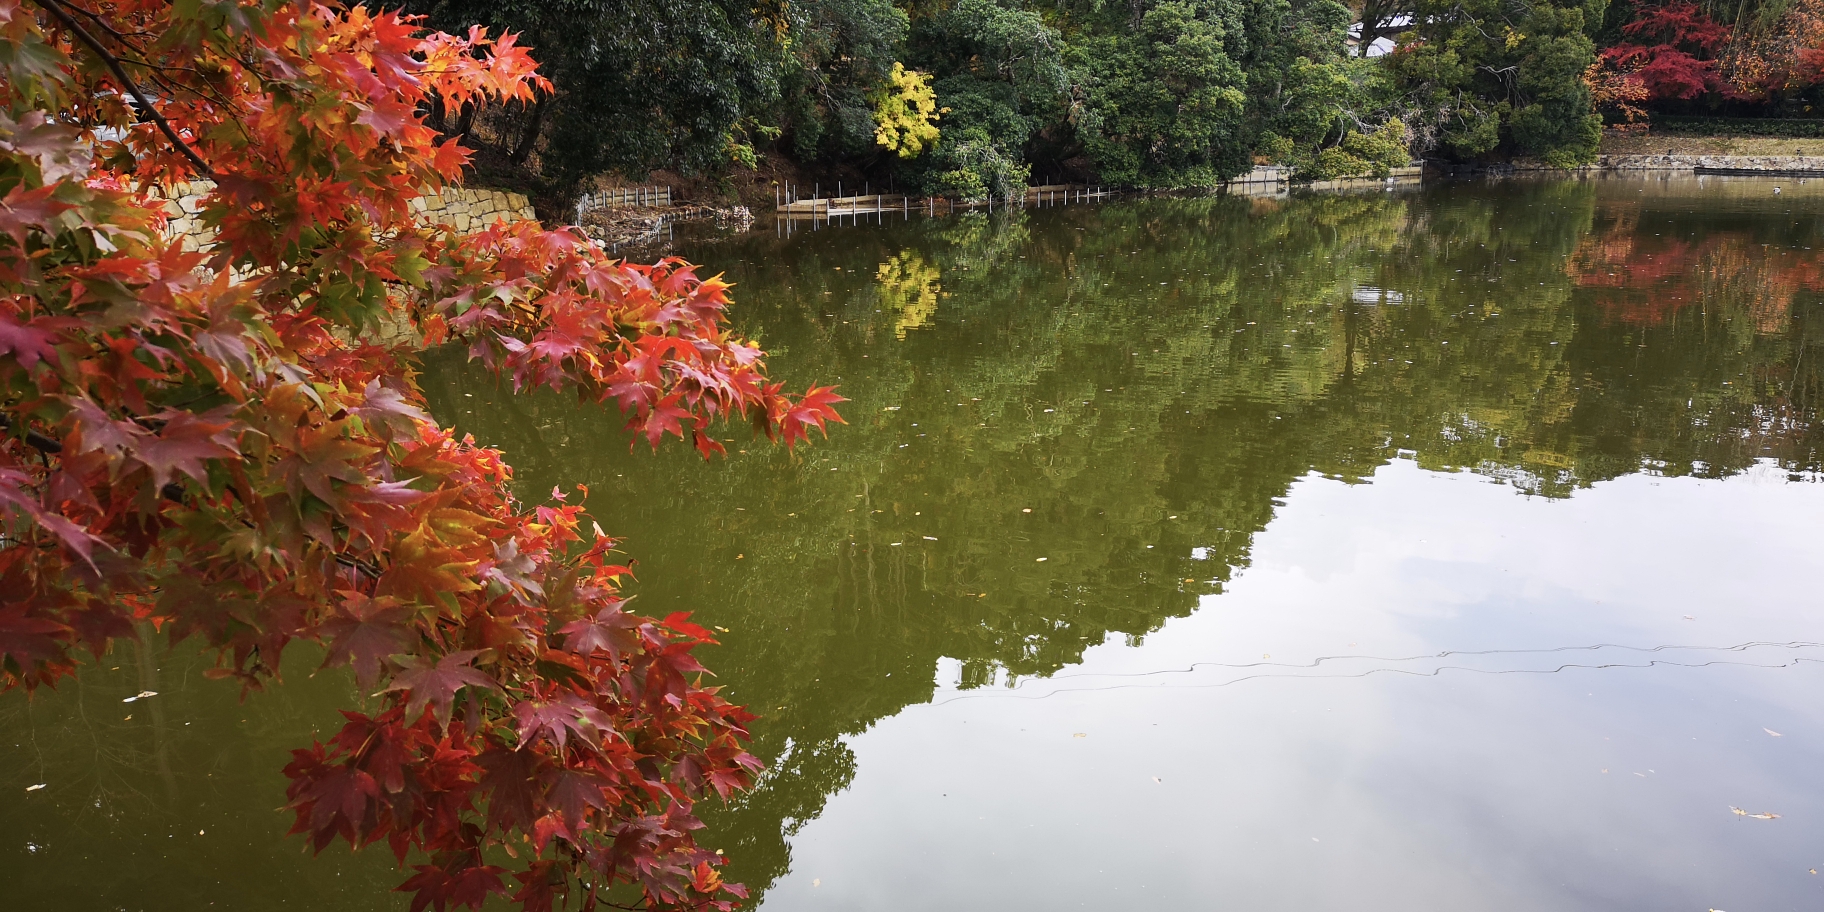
(534, 125)
(467, 120)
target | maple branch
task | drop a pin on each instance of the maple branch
(56, 9)
(34, 439)
(172, 491)
(101, 22)
(367, 568)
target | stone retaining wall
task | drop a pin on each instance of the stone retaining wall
(463, 208)
(1687, 163)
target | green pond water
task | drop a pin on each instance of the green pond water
(1451, 547)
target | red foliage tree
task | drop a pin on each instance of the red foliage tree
(1673, 51)
(202, 439)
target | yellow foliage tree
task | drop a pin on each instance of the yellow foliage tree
(905, 112)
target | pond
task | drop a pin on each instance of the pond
(1445, 547)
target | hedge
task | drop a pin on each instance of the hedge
(1794, 128)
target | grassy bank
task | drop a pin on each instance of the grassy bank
(1658, 144)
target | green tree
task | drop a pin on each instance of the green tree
(1165, 104)
(1500, 75)
(638, 84)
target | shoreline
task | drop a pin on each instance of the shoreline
(1676, 162)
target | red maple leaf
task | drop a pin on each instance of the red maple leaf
(573, 792)
(557, 719)
(610, 630)
(28, 640)
(511, 782)
(437, 684)
(28, 343)
(364, 632)
(183, 445)
(337, 799)
(816, 407)
(434, 887)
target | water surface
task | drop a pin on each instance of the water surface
(1443, 548)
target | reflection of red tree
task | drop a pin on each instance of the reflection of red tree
(1642, 280)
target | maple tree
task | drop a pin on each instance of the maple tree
(206, 438)
(1671, 52)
